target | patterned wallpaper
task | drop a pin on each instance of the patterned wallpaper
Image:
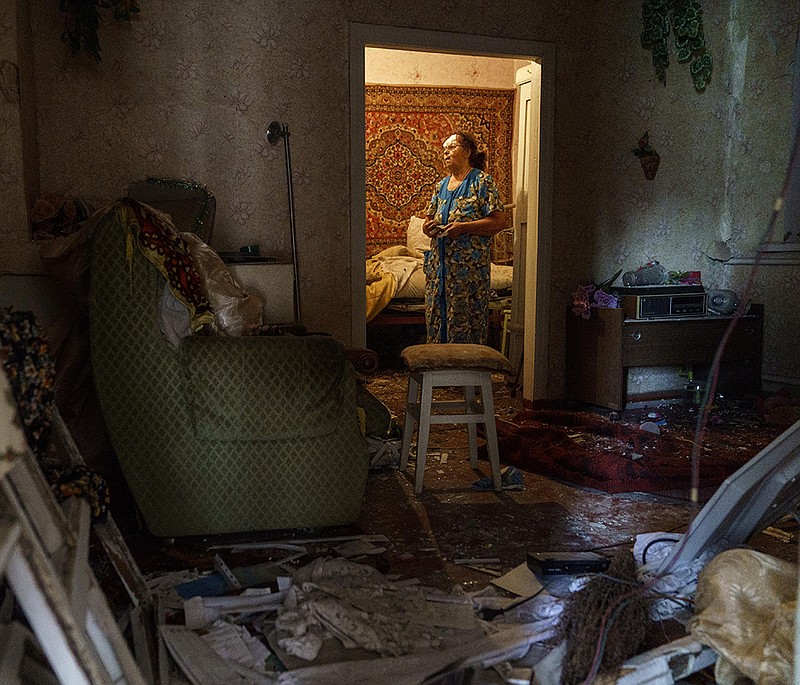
(414, 68)
(189, 88)
(17, 254)
(723, 157)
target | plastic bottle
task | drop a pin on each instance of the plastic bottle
(655, 274)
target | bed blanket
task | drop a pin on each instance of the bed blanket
(387, 272)
(397, 272)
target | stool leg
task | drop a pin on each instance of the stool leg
(424, 430)
(491, 430)
(412, 405)
(472, 428)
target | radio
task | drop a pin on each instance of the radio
(663, 301)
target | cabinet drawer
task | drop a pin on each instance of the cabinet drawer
(668, 343)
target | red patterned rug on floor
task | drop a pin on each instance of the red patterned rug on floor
(405, 129)
(613, 456)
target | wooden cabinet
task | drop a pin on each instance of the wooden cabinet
(600, 350)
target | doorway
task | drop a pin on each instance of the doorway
(531, 282)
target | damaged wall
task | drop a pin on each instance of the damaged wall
(188, 90)
(17, 146)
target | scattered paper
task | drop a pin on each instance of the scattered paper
(235, 644)
(520, 581)
(357, 548)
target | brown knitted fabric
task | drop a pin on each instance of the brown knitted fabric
(581, 625)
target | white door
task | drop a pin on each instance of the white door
(522, 335)
(516, 327)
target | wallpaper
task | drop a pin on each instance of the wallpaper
(411, 67)
(16, 254)
(188, 89)
(723, 158)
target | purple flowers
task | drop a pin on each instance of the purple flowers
(588, 296)
(604, 299)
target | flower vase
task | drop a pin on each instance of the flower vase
(650, 165)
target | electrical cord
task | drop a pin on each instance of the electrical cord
(653, 542)
(629, 541)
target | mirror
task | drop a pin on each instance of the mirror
(190, 205)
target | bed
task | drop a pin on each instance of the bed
(396, 283)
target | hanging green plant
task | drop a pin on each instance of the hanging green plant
(82, 17)
(685, 18)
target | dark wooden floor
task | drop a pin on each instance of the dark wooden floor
(451, 521)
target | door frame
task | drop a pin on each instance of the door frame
(537, 276)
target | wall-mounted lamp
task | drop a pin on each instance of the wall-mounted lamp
(274, 132)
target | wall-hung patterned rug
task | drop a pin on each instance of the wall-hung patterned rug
(405, 129)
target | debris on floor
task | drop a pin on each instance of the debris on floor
(335, 620)
(383, 452)
(321, 610)
(510, 478)
(442, 592)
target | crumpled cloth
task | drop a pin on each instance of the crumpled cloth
(357, 605)
(744, 609)
(26, 361)
(510, 479)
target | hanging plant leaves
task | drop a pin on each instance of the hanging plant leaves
(685, 18)
(655, 34)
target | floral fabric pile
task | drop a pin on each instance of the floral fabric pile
(588, 296)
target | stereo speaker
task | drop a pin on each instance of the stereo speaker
(722, 302)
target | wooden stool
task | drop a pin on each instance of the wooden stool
(451, 364)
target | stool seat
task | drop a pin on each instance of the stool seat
(464, 365)
(436, 356)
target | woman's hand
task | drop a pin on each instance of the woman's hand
(453, 229)
(488, 226)
(430, 228)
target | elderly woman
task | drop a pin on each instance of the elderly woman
(464, 213)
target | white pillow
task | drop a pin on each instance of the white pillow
(415, 238)
(502, 276)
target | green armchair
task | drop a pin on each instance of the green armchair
(222, 434)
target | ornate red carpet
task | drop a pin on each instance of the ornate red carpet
(405, 129)
(585, 449)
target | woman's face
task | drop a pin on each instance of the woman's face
(456, 156)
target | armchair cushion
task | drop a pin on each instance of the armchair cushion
(263, 388)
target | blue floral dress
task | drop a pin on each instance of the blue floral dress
(457, 270)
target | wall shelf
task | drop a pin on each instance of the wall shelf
(773, 254)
